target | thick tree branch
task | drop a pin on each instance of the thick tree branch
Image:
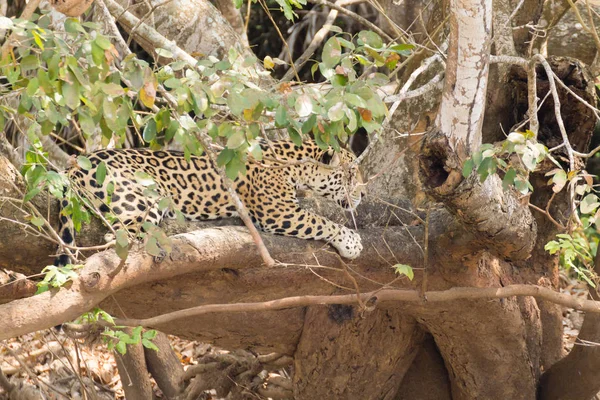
(494, 215)
(201, 28)
(207, 250)
(463, 100)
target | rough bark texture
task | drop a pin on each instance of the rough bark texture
(134, 373)
(427, 377)
(164, 366)
(356, 371)
(195, 25)
(495, 216)
(576, 376)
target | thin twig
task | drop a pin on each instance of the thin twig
(357, 17)
(314, 43)
(534, 124)
(561, 125)
(235, 198)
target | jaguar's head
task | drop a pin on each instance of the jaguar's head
(339, 178)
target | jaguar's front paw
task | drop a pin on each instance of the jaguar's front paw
(348, 243)
(109, 237)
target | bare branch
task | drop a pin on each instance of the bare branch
(375, 297)
(561, 125)
(314, 44)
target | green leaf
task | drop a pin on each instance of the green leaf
(346, 43)
(70, 92)
(509, 178)
(143, 178)
(332, 52)
(112, 89)
(164, 53)
(236, 140)
(72, 25)
(101, 173)
(404, 269)
(42, 287)
(152, 247)
(589, 203)
(403, 48)
(295, 136)
(308, 125)
(355, 100)
(149, 133)
(225, 157)
(467, 168)
(102, 42)
(84, 163)
(149, 345)
(172, 83)
(164, 203)
(336, 112)
(121, 238)
(29, 63)
(304, 106)
(98, 54)
(121, 347)
(106, 316)
(37, 221)
(522, 185)
(559, 180)
(31, 194)
(32, 87)
(122, 246)
(149, 334)
(314, 69)
(281, 117)
(370, 39)
(234, 168)
(287, 9)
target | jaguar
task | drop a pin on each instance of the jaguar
(268, 189)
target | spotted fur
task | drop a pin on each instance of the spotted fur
(268, 190)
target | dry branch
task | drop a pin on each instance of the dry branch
(376, 297)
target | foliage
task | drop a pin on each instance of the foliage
(56, 277)
(491, 158)
(518, 156)
(119, 339)
(404, 269)
(286, 6)
(72, 80)
(575, 254)
(97, 314)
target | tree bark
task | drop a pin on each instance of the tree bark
(134, 372)
(341, 352)
(164, 366)
(575, 377)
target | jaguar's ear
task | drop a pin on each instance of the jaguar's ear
(330, 158)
